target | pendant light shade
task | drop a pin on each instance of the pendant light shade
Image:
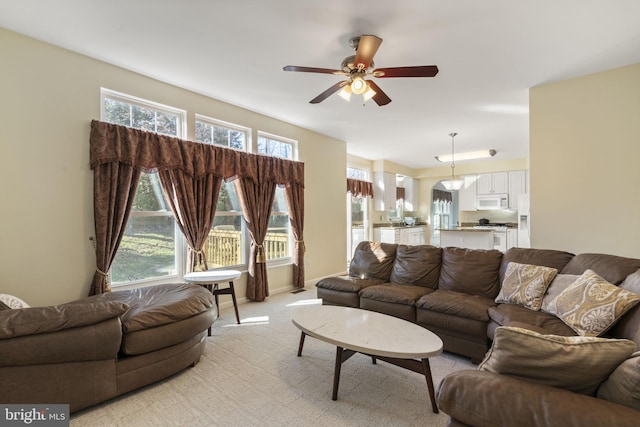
(453, 184)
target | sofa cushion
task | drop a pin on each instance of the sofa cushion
(346, 283)
(578, 364)
(614, 269)
(159, 305)
(557, 285)
(457, 303)
(394, 293)
(470, 271)
(515, 315)
(525, 285)
(623, 385)
(591, 305)
(417, 265)
(545, 257)
(373, 261)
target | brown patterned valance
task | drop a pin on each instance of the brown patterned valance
(151, 151)
(442, 195)
(359, 188)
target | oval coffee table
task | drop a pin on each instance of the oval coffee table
(378, 335)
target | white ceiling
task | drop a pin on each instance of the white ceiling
(489, 53)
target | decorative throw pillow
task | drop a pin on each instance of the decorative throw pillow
(557, 285)
(12, 302)
(578, 364)
(591, 305)
(525, 285)
(623, 385)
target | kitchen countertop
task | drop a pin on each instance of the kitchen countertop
(398, 225)
(471, 229)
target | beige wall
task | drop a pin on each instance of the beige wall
(584, 154)
(49, 96)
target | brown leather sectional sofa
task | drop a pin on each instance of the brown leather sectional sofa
(87, 351)
(451, 291)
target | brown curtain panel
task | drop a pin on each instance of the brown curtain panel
(294, 194)
(256, 200)
(114, 188)
(193, 202)
(358, 187)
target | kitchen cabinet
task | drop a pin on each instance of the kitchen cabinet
(517, 186)
(404, 235)
(410, 194)
(384, 191)
(467, 194)
(492, 183)
(471, 239)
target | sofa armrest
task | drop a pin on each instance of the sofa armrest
(482, 398)
(60, 334)
(39, 320)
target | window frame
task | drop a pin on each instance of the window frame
(180, 247)
(294, 156)
(226, 125)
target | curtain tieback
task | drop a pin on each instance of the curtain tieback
(260, 256)
(304, 248)
(198, 255)
(102, 273)
(107, 282)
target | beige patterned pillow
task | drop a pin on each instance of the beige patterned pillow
(591, 305)
(579, 364)
(525, 285)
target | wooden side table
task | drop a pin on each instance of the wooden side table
(210, 280)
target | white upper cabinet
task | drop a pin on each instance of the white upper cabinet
(384, 191)
(492, 183)
(467, 194)
(517, 186)
(410, 194)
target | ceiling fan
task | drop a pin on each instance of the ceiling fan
(359, 66)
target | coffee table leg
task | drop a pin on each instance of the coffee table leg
(302, 335)
(336, 373)
(427, 374)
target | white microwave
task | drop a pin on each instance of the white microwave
(493, 201)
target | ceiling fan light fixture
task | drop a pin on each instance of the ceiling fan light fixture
(345, 93)
(368, 94)
(358, 85)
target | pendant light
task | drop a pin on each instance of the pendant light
(453, 184)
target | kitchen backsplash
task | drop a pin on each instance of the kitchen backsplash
(494, 216)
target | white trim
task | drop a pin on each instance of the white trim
(227, 125)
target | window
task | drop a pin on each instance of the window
(357, 214)
(150, 248)
(226, 244)
(278, 241)
(211, 131)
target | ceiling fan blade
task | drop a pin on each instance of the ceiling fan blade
(367, 48)
(380, 97)
(312, 70)
(419, 71)
(327, 93)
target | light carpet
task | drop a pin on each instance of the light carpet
(250, 375)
